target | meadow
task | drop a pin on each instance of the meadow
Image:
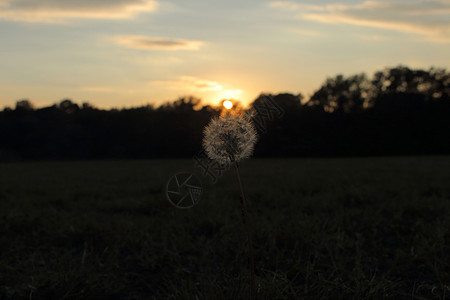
(323, 228)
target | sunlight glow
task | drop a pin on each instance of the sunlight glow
(230, 94)
(228, 104)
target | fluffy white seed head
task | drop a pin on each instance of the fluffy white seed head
(229, 138)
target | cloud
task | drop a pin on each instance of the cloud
(189, 82)
(100, 89)
(59, 11)
(195, 84)
(428, 18)
(372, 37)
(231, 94)
(156, 43)
(306, 32)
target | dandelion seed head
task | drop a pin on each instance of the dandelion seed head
(229, 138)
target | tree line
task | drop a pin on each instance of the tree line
(399, 111)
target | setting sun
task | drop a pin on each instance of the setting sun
(228, 104)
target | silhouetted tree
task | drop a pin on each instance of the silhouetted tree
(68, 106)
(432, 85)
(342, 95)
(24, 105)
(398, 111)
(183, 104)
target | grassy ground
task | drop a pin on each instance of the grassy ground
(365, 228)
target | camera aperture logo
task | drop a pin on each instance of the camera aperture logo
(183, 190)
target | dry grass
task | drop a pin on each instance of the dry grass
(365, 228)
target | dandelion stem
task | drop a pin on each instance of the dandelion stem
(247, 229)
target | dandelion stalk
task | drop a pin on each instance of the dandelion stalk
(247, 229)
(228, 140)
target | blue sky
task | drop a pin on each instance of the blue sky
(122, 53)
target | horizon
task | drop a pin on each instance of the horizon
(131, 53)
(202, 103)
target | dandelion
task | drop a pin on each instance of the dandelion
(229, 139)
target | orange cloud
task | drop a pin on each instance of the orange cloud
(156, 43)
(188, 82)
(59, 11)
(430, 19)
(101, 89)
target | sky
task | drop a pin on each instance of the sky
(125, 53)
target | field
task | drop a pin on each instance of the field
(353, 228)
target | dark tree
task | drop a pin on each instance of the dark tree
(398, 111)
(342, 95)
(24, 105)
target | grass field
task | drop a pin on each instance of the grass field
(362, 228)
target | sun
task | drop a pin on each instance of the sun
(227, 104)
